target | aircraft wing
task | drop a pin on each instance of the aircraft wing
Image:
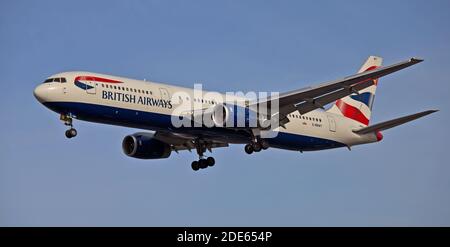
(392, 123)
(311, 98)
(186, 141)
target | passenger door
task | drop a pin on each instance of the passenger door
(331, 124)
(91, 87)
(164, 94)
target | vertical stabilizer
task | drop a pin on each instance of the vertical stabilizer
(359, 106)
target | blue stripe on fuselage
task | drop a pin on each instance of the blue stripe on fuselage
(155, 121)
(83, 86)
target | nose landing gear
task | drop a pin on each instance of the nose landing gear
(72, 132)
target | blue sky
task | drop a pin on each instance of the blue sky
(47, 180)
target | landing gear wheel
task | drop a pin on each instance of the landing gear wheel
(264, 144)
(248, 149)
(68, 134)
(195, 166)
(256, 147)
(71, 133)
(202, 163)
(210, 161)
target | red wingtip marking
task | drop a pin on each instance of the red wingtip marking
(379, 136)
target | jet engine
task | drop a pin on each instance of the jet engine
(144, 146)
(234, 116)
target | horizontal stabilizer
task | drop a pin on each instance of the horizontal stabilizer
(392, 123)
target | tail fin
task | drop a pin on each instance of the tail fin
(359, 106)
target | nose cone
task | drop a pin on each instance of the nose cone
(40, 92)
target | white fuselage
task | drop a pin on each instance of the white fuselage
(149, 105)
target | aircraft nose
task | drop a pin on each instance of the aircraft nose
(40, 92)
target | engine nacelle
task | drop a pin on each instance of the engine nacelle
(234, 116)
(144, 146)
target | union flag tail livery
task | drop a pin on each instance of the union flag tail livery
(159, 108)
(358, 106)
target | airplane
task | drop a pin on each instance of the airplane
(300, 121)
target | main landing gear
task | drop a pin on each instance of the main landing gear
(68, 122)
(256, 146)
(202, 162)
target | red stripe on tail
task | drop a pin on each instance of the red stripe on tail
(352, 112)
(372, 68)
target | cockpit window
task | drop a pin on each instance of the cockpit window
(59, 79)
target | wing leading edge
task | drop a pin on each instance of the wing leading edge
(309, 99)
(392, 123)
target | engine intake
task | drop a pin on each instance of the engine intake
(234, 116)
(144, 146)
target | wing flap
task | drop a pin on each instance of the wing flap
(180, 141)
(321, 101)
